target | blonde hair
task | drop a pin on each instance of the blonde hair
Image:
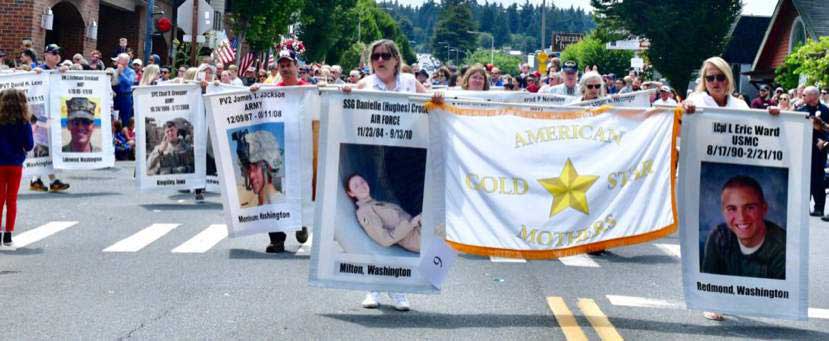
(190, 74)
(151, 72)
(477, 68)
(14, 107)
(589, 76)
(721, 65)
(391, 47)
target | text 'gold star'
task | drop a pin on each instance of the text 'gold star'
(569, 189)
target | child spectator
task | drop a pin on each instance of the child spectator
(15, 141)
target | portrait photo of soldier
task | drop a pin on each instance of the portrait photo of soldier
(83, 133)
(380, 200)
(747, 243)
(172, 151)
(40, 130)
(258, 156)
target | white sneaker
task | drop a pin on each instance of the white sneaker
(400, 301)
(713, 316)
(371, 300)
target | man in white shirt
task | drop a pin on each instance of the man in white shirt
(570, 73)
(665, 96)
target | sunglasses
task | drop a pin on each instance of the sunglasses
(165, 72)
(593, 86)
(80, 121)
(720, 78)
(384, 55)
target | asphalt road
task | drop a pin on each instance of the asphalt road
(81, 280)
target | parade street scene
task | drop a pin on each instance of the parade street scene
(414, 169)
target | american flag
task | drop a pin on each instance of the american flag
(227, 50)
(246, 61)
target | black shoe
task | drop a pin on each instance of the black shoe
(302, 235)
(825, 218)
(7, 239)
(38, 186)
(58, 186)
(816, 213)
(275, 248)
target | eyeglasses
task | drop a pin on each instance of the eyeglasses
(378, 55)
(784, 98)
(711, 78)
(593, 86)
(165, 71)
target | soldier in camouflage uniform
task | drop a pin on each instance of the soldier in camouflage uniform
(173, 155)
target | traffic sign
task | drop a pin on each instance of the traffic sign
(184, 18)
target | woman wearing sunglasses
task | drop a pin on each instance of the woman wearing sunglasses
(386, 76)
(714, 89)
(592, 86)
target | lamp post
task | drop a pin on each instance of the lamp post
(448, 47)
(491, 45)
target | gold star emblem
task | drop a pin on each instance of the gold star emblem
(569, 189)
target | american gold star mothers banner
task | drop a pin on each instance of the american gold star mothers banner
(545, 182)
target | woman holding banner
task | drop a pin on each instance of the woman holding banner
(475, 79)
(714, 89)
(592, 86)
(386, 76)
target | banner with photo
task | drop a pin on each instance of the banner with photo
(637, 99)
(744, 196)
(170, 137)
(211, 169)
(38, 161)
(371, 208)
(257, 139)
(550, 182)
(81, 125)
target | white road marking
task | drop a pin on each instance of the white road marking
(670, 249)
(642, 302)
(203, 241)
(506, 260)
(39, 233)
(142, 238)
(581, 260)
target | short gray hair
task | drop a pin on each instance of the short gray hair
(811, 90)
(123, 56)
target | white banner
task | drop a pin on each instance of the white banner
(539, 182)
(638, 99)
(744, 195)
(372, 212)
(38, 161)
(211, 170)
(258, 143)
(170, 137)
(81, 130)
(514, 97)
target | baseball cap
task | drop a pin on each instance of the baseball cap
(52, 48)
(137, 61)
(570, 67)
(764, 88)
(665, 88)
(286, 54)
(80, 107)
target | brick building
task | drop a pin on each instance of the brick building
(793, 22)
(73, 19)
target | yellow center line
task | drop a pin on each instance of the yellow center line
(565, 319)
(598, 320)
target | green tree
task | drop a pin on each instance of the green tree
(507, 63)
(810, 61)
(453, 27)
(682, 33)
(262, 23)
(322, 25)
(591, 51)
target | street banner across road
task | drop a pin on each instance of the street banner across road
(744, 195)
(373, 221)
(257, 138)
(81, 124)
(170, 137)
(542, 182)
(38, 161)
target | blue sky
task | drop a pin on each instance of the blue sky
(750, 7)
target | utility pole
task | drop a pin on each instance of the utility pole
(543, 24)
(148, 37)
(194, 33)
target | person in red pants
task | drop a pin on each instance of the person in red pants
(15, 141)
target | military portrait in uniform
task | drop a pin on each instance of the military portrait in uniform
(170, 146)
(40, 130)
(383, 199)
(745, 234)
(81, 120)
(258, 154)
